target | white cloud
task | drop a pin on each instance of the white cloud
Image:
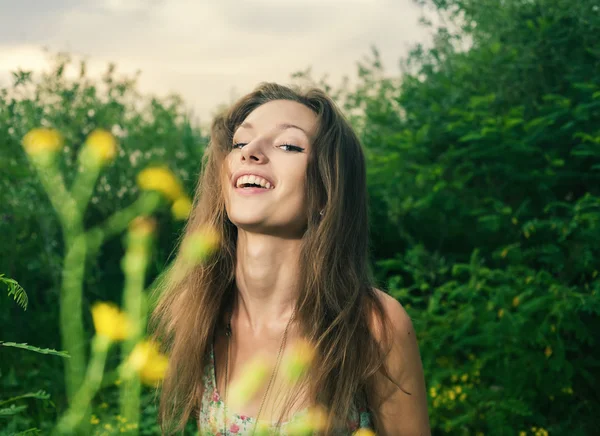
(205, 50)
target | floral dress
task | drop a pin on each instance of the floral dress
(212, 413)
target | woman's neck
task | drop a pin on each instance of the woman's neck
(267, 279)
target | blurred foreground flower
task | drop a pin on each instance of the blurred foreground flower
(102, 144)
(160, 179)
(245, 388)
(181, 208)
(142, 226)
(41, 140)
(363, 432)
(147, 361)
(312, 422)
(200, 244)
(298, 360)
(110, 322)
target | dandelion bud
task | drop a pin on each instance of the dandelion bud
(297, 362)
(181, 208)
(42, 140)
(110, 322)
(102, 145)
(142, 226)
(199, 245)
(244, 389)
(312, 422)
(363, 432)
(162, 180)
(148, 362)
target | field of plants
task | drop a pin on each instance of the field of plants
(484, 186)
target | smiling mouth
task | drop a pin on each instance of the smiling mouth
(250, 181)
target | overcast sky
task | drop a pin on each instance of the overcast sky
(208, 51)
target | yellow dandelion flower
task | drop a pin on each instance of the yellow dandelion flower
(150, 364)
(255, 375)
(181, 208)
(500, 313)
(432, 392)
(42, 140)
(363, 432)
(451, 395)
(462, 397)
(548, 351)
(313, 421)
(200, 244)
(464, 377)
(94, 420)
(162, 180)
(516, 301)
(436, 402)
(457, 389)
(522, 433)
(454, 377)
(515, 221)
(297, 361)
(526, 233)
(110, 322)
(528, 280)
(142, 226)
(102, 145)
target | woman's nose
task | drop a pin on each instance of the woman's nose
(253, 152)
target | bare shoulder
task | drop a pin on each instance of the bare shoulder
(401, 407)
(400, 322)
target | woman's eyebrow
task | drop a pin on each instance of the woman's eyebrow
(281, 126)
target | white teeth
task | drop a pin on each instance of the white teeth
(257, 180)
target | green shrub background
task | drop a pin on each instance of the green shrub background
(484, 184)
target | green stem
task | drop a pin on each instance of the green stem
(117, 222)
(84, 183)
(71, 313)
(69, 422)
(59, 196)
(134, 263)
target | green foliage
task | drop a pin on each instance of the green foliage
(16, 291)
(35, 349)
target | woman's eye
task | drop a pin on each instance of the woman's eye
(238, 144)
(290, 147)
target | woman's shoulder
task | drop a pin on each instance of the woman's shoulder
(398, 320)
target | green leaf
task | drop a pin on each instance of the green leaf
(36, 349)
(39, 395)
(29, 431)
(16, 291)
(12, 410)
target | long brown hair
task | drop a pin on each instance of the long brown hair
(337, 303)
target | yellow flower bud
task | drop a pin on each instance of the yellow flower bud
(516, 301)
(200, 244)
(313, 421)
(102, 144)
(500, 313)
(181, 208)
(548, 351)
(148, 362)
(162, 180)
(42, 140)
(363, 432)
(110, 322)
(142, 226)
(297, 362)
(245, 388)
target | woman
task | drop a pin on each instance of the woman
(284, 185)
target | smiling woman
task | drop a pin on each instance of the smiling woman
(284, 184)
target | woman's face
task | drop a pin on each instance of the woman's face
(265, 171)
